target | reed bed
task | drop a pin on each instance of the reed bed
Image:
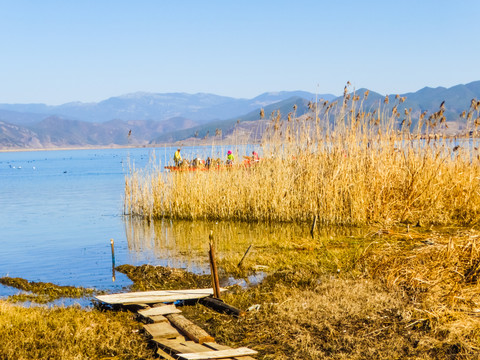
(342, 163)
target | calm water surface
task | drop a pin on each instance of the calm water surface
(59, 210)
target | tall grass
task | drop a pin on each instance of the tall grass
(341, 162)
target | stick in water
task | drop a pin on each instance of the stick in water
(244, 255)
(113, 260)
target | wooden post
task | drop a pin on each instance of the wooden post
(219, 306)
(244, 255)
(213, 267)
(313, 226)
(113, 259)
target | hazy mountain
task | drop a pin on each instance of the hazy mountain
(457, 99)
(20, 118)
(145, 118)
(200, 107)
(15, 136)
(56, 131)
(227, 126)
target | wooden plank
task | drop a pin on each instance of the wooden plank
(160, 310)
(149, 297)
(179, 346)
(161, 330)
(189, 329)
(157, 318)
(165, 355)
(220, 354)
(215, 346)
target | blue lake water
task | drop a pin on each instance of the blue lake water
(59, 210)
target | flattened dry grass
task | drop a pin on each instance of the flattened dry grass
(69, 333)
(441, 277)
(325, 318)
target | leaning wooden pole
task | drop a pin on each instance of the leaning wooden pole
(244, 256)
(312, 230)
(219, 306)
(213, 267)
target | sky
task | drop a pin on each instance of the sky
(58, 51)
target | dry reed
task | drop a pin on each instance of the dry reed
(342, 163)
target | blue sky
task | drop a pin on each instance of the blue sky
(57, 51)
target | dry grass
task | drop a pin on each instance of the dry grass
(413, 295)
(440, 275)
(404, 293)
(324, 318)
(69, 333)
(342, 163)
(409, 293)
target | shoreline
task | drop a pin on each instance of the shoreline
(101, 147)
(74, 148)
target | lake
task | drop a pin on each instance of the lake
(59, 209)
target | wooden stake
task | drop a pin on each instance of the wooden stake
(113, 259)
(313, 226)
(244, 255)
(213, 266)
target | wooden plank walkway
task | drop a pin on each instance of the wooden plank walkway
(175, 336)
(150, 297)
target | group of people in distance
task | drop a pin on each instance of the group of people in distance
(177, 158)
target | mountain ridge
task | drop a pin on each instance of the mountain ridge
(199, 107)
(152, 118)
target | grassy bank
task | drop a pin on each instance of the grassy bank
(343, 163)
(69, 333)
(402, 293)
(396, 295)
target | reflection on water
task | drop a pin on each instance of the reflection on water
(184, 244)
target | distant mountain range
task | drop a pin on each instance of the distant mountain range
(199, 108)
(147, 118)
(109, 122)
